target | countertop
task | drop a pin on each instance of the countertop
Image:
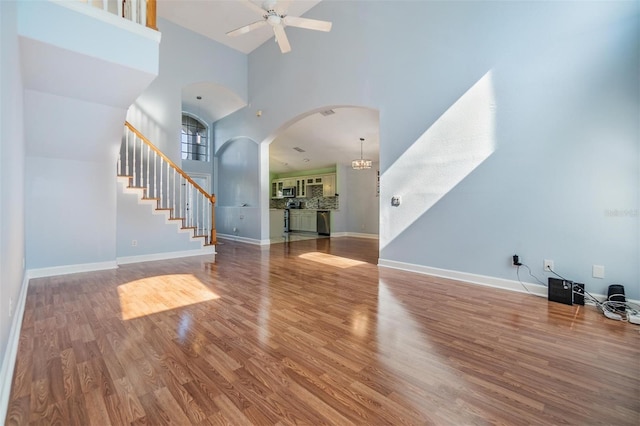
(309, 210)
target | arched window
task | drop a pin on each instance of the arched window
(195, 139)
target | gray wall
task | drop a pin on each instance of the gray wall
(238, 201)
(531, 106)
(361, 200)
(12, 154)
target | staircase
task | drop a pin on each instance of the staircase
(160, 182)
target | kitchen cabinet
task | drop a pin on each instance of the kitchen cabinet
(302, 183)
(276, 188)
(303, 220)
(301, 186)
(329, 185)
(294, 221)
(314, 180)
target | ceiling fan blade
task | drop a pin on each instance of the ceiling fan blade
(281, 38)
(254, 7)
(245, 29)
(309, 24)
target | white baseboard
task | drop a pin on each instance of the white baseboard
(70, 269)
(206, 250)
(243, 239)
(537, 289)
(501, 283)
(355, 235)
(11, 352)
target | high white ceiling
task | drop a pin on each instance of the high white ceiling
(214, 18)
(327, 140)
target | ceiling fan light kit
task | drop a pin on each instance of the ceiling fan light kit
(361, 163)
(278, 21)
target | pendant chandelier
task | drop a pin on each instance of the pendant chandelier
(361, 163)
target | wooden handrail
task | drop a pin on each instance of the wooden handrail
(210, 197)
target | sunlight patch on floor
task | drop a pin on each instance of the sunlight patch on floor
(331, 260)
(162, 293)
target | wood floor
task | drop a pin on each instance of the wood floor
(312, 332)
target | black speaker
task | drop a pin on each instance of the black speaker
(616, 294)
(578, 293)
(560, 291)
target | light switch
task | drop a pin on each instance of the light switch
(598, 271)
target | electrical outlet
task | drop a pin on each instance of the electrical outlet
(134, 243)
(515, 260)
(548, 265)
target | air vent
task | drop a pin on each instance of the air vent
(297, 148)
(328, 112)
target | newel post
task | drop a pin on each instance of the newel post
(213, 239)
(151, 14)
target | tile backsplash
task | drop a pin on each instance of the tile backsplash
(313, 200)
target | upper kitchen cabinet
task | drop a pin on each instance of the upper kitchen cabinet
(329, 185)
(276, 188)
(314, 180)
(301, 187)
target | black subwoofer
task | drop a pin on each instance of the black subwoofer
(616, 294)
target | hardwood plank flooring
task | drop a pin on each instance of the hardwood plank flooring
(312, 332)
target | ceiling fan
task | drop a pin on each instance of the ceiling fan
(278, 20)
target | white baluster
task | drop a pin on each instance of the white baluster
(105, 5)
(155, 174)
(126, 151)
(161, 183)
(182, 188)
(203, 218)
(134, 11)
(120, 11)
(134, 162)
(175, 207)
(143, 12)
(148, 166)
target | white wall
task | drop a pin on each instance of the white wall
(186, 58)
(152, 234)
(507, 127)
(12, 153)
(61, 229)
(73, 125)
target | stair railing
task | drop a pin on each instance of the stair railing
(163, 181)
(142, 12)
